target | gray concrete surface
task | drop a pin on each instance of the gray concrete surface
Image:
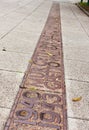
(21, 23)
(75, 36)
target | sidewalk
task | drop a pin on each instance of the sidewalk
(75, 34)
(21, 23)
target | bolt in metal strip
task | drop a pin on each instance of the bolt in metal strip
(41, 101)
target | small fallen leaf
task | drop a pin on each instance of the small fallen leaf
(76, 99)
(49, 54)
(30, 61)
(23, 113)
(32, 88)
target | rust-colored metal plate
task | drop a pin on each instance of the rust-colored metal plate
(40, 102)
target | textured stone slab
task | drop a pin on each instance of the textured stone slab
(9, 86)
(77, 70)
(14, 61)
(76, 124)
(78, 109)
(77, 53)
(3, 116)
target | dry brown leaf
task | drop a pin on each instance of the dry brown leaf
(23, 113)
(30, 61)
(32, 88)
(76, 99)
(49, 54)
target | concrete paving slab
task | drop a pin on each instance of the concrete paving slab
(85, 24)
(3, 117)
(30, 27)
(75, 44)
(75, 124)
(13, 17)
(76, 70)
(4, 11)
(78, 13)
(80, 108)
(73, 36)
(14, 61)
(18, 45)
(24, 2)
(71, 23)
(82, 18)
(6, 26)
(66, 11)
(40, 15)
(77, 53)
(36, 19)
(70, 36)
(29, 8)
(44, 8)
(9, 24)
(25, 10)
(22, 35)
(10, 6)
(17, 41)
(9, 86)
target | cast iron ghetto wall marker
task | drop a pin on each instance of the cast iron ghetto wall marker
(40, 103)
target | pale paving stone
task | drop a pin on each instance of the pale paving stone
(6, 27)
(76, 44)
(21, 35)
(24, 2)
(18, 45)
(83, 19)
(66, 11)
(9, 84)
(75, 124)
(72, 36)
(14, 61)
(76, 70)
(76, 53)
(8, 24)
(27, 9)
(39, 17)
(3, 117)
(17, 41)
(36, 21)
(69, 29)
(35, 18)
(13, 17)
(30, 27)
(79, 109)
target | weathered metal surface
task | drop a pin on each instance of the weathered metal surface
(40, 103)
